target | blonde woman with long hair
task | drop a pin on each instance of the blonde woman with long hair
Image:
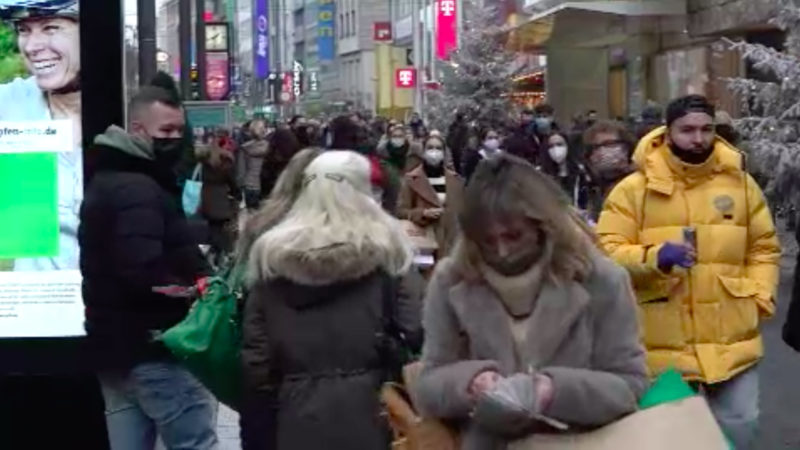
(526, 307)
(319, 280)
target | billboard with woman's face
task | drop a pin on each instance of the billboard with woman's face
(41, 168)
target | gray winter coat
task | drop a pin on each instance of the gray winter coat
(584, 336)
(254, 151)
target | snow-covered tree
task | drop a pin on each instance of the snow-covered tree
(770, 123)
(478, 76)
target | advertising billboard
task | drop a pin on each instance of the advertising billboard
(261, 33)
(41, 169)
(326, 34)
(217, 75)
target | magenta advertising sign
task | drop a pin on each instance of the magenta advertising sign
(217, 75)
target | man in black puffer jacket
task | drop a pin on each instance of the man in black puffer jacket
(134, 237)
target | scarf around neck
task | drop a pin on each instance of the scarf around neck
(518, 293)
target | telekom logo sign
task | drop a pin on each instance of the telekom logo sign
(405, 78)
(446, 34)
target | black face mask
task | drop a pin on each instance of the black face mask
(691, 157)
(518, 262)
(167, 151)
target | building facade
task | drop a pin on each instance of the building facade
(355, 51)
(618, 56)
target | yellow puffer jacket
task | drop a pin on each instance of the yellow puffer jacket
(702, 321)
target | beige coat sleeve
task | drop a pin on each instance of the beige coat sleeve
(442, 387)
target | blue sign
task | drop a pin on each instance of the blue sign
(325, 30)
(261, 35)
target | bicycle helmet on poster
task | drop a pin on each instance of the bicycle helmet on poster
(15, 10)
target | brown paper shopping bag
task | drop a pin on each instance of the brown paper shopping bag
(683, 425)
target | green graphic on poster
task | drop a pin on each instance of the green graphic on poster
(29, 204)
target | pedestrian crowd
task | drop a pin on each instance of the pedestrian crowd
(566, 266)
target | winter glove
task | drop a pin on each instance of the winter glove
(671, 255)
(510, 408)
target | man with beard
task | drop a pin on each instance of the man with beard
(608, 156)
(692, 228)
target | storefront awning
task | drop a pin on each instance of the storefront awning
(538, 29)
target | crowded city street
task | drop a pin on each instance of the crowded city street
(399, 224)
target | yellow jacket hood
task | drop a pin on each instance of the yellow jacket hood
(654, 159)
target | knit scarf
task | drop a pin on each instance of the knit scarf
(518, 293)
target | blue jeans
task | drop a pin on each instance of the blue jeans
(735, 406)
(158, 398)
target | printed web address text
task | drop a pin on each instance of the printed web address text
(36, 136)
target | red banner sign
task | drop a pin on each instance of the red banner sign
(446, 34)
(405, 78)
(382, 31)
(287, 88)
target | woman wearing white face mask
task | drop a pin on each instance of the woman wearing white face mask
(559, 164)
(431, 195)
(490, 146)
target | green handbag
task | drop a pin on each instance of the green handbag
(208, 340)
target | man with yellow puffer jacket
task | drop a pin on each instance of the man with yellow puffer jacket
(700, 302)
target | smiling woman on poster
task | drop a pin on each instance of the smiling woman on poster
(48, 39)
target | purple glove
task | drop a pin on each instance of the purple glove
(672, 255)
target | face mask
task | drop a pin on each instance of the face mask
(434, 157)
(544, 125)
(491, 144)
(558, 153)
(167, 151)
(397, 142)
(609, 163)
(513, 263)
(691, 157)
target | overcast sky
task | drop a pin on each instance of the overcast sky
(130, 10)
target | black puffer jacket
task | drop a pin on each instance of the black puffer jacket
(133, 237)
(791, 328)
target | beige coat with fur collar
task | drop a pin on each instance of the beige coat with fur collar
(583, 335)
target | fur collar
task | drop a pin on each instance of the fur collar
(320, 266)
